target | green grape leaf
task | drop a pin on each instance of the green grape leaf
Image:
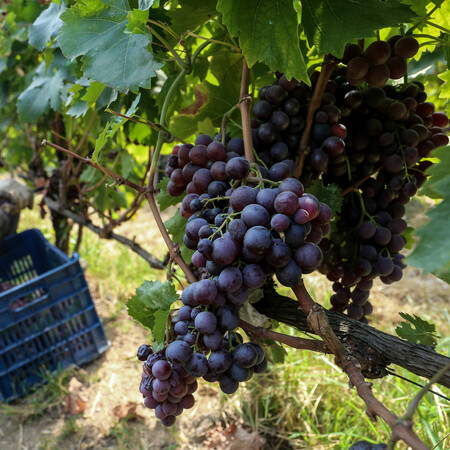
(277, 353)
(46, 26)
(409, 236)
(159, 329)
(112, 127)
(145, 4)
(212, 101)
(191, 14)
(151, 306)
(96, 31)
(330, 195)
(44, 92)
(175, 227)
(268, 32)
(164, 199)
(432, 252)
(331, 24)
(417, 330)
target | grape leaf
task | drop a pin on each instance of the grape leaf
(276, 351)
(145, 4)
(423, 331)
(44, 92)
(191, 14)
(151, 297)
(46, 25)
(164, 199)
(159, 329)
(175, 226)
(96, 31)
(268, 32)
(331, 24)
(330, 195)
(432, 252)
(212, 101)
(112, 127)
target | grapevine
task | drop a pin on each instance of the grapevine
(313, 178)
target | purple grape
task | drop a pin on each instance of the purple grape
(237, 168)
(178, 352)
(286, 203)
(228, 385)
(254, 215)
(230, 279)
(245, 355)
(266, 198)
(280, 222)
(224, 251)
(204, 292)
(290, 275)
(219, 361)
(279, 254)
(241, 197)
(253, 276)
(237, 229)
(308, 256)
(197, 366)
(257, 240)
(206, 322)
(213, 341)
(240, 374)
(162, 370)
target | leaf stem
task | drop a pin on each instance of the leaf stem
(169, 136)
(223, 126)
(214, 41)
(433, 38)
(421, 20)
(180, 62)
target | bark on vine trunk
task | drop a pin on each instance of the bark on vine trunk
(374, 349)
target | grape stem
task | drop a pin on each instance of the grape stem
(183, 64)
(117, 178)
(244, 106)
(291, 341)
(328, 65)
(223, 126)
(318, 322)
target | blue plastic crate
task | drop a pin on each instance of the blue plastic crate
(48, 319)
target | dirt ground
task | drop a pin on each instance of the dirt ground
(114, 416)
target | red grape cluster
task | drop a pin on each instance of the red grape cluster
(390, 132)
(280, 120)
(380, 61)
(169, 376)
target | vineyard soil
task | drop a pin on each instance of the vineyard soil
(110, 382)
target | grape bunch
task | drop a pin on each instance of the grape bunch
(390, 133)
(380, 61)
(169, 376)
(280, 118)
(264, 231)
